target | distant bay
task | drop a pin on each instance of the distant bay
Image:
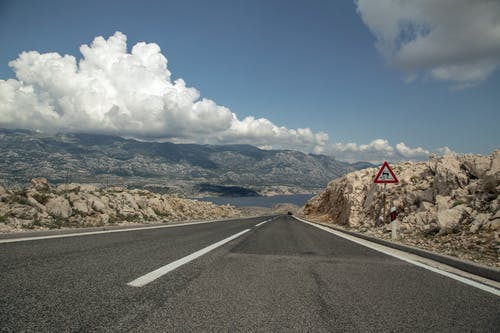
(295, 199)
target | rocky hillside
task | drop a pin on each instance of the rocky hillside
(448, 204)
(166, 167)
(43, 206)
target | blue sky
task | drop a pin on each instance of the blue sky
(298, 64)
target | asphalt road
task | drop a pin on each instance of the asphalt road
(281, 276)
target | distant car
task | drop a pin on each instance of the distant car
(289, 213)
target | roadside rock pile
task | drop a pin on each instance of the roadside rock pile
(42, 206)
(448, 204)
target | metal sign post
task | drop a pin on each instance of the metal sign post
(385, 176)
(394, 224)
(383, 198)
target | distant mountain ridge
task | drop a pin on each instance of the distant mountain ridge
(168, 167)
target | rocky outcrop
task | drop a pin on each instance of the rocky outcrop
(59, 207)
(448, 204)
(41, 206)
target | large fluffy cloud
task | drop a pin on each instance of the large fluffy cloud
(450, 40)
(380, 150)
(130, 94)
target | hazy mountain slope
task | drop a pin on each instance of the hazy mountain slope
(176, 167)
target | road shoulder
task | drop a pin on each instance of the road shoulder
(477, 273)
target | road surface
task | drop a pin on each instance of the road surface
(280, 276)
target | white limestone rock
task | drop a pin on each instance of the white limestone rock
(59, 206)
(40, 184)
(479, 221)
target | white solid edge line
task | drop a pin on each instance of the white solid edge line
(151, 276)
(24, 239)
(381, 248)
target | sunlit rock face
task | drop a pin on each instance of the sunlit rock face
(448, 203)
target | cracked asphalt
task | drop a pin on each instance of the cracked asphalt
(282, 276)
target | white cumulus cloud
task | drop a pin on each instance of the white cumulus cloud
(411, 153)
(457, 41)
(111, 90)
(380, 150)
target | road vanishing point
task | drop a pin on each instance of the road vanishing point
(266, 274)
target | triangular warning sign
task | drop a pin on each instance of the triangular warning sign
(385, 175)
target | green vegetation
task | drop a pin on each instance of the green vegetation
(36, 223)
(44, 190)
(58, 222)
(41, 198)
(160, 213)
(129, 218)
(458, 203)
(20, 197)
(115, 219)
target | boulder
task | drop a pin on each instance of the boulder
(495, 164)
(449, 175)
(72, 197)
(88, 188)
(421, 218)
(448, 220)
(23, 212)
(477, 166)
(81, 207)
(4, 208)
(479, 221)
(40, 184)
(160, 205)
(493, 225)
(19, 222)
(488, 187)
(431, 229)
(443, 202)
(426, 195)
(34, 203)
(426, 206)
(150, 213)
(98, 205)
(59, 206)
(129, 201)
(68, 187)
(495, 205)
(117, 189)
(496, 216)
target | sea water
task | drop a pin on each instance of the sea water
(295, 199)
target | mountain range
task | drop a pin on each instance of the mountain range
(187, 169)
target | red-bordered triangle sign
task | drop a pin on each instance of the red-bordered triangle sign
(385, 175)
